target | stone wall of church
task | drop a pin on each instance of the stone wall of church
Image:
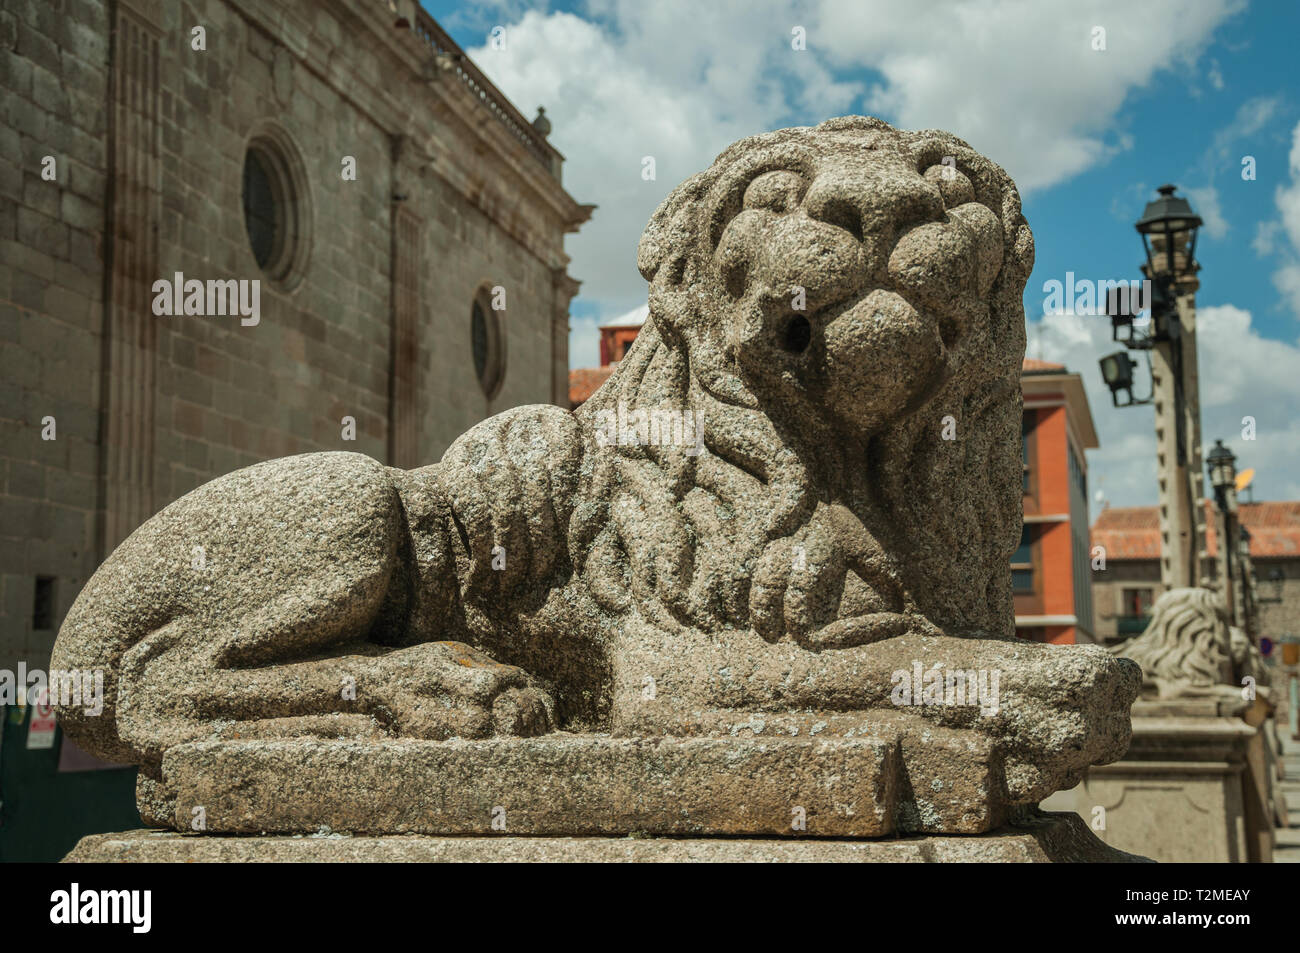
(53, 85)
(402, 207)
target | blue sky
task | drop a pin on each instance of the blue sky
(1181, 93)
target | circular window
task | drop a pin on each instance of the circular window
(263, 212)
(277, 212)
(488, 344)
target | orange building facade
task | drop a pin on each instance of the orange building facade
(1051, 570)
(615, 339)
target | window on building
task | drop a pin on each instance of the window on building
(43, 604)
(276, 205)
(1135, 611)
(1138, 601)
(1022, 563)
(487, 339)
(262, 213)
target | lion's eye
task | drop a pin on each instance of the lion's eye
(780, 191)
(953, 184)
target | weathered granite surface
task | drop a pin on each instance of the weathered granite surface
(801, 486)
(878, 781)
(1054, 838)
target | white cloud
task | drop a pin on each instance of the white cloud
(676, 81)
(1287, 197)
(1265, 240)
(1241, 374)
(1251, 116)
(1287, 281)
(1229, 145)
(1206, 202)
(1019, 80)
(680, 80)
(1215, 75)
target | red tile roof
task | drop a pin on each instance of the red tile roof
(1133, 532)
(1033, 364)
(585, 381)
(1128, 532)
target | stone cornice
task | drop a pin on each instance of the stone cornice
(467, 145)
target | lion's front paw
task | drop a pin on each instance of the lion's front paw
(1052, 711)
(440, 690)
(1062, 710)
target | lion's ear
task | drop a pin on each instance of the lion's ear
(672, 228)
(666, 244)
(649, 253)
(662, 239)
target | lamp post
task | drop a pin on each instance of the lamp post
(1221, 464)
(1168, 227)
(1248, 590)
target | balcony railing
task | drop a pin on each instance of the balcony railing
(428, 31)
(1131, 624)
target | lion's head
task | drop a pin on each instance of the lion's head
(1190, 645)
(851, 267)
(841, 306)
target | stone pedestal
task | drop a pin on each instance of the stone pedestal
(593, 797)
(1191, 788)
(870, 785)
(1036, 838)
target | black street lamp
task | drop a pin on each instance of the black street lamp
(1117, 372)
(1168, 227)
(1222, 466)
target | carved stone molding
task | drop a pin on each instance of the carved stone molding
(404, 430)
(130, 339)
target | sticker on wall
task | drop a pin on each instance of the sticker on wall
(40, 731)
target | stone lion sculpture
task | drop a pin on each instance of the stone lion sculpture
(1190, 647)
(839, 311)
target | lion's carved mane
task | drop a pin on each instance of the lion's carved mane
(934, 519)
